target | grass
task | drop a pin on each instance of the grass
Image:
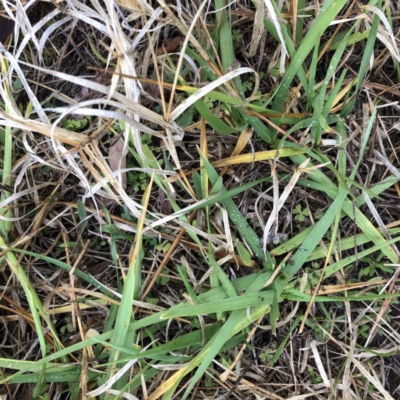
(199, 201)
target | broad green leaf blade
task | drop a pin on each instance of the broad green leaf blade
(218, 306)
(216, 123)
(243, 254)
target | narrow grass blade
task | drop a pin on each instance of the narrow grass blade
(122, 334)
(237, 218)
(366, 58)
(312, 240)
(216, 123)
(324, 18)
(7, 155)
(224, 34)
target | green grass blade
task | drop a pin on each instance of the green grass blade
(324, 18)
(122, 335)
(237, 321)
(368, 51)
(282, 346)
(83, 275)
(316, 234)
(240, 222)
(216, 123)
(223, 279)
(227, 51)
(7, 155)
(296, 295)
(301, 74)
